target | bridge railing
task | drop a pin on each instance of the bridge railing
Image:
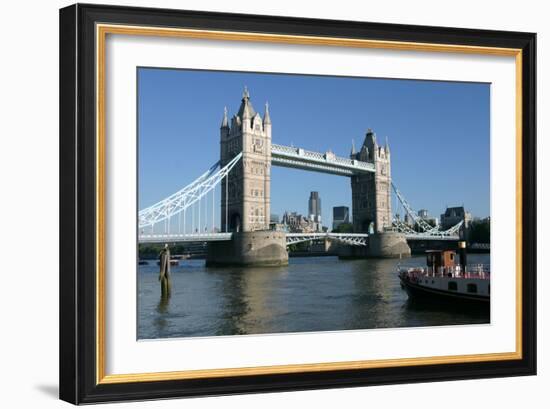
(181, 200)
(354, 239)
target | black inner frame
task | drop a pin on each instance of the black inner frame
(78, 212)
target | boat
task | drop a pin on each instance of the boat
(445, 281)
(180, 257)
(173, 262)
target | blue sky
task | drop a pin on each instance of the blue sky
(438, 133)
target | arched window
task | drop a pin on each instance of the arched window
(452, 286)
(471, 288)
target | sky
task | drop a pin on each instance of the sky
(438, 133)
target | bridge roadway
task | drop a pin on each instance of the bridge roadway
(354, 239)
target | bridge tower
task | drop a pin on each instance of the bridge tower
(246, 208)
(248, 201)
(371, 193)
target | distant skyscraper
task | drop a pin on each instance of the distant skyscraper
(314, 207)
(340, 214)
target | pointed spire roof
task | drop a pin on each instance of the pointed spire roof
(387, 147)
(267, 118)
(353, 152)
(246, 109)
(225, 122)
(370, 138)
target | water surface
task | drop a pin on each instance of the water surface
(310, 294)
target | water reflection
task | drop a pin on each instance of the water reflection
(248, 298)
(234, 304)
(373, 299)
(160, 321)
(162, 306)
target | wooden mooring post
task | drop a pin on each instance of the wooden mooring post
(164, 274)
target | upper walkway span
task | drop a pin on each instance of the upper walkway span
(328, 162)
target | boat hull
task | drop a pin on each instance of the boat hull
(432, 295)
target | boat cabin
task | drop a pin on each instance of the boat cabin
(440, 258)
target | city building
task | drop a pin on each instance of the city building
(296, 223)
(423, 213)
(340, 214)
(275, 223)
(453, 216)
(314, 209)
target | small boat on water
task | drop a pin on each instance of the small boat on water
(180, 257)
(444, 281)
(173, 262)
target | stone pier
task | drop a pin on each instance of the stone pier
(388, 245)
(254, 248)
(380, 245)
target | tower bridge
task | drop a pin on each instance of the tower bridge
(243, 175)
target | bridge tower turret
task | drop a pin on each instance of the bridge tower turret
(249, 183)
(371, 193)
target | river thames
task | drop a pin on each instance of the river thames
(310, 294)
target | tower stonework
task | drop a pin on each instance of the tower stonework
(247, 211)
(249, 183)
(371, 192)
(371, 201)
